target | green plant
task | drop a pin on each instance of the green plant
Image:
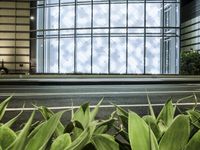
(190, 63)
(162, 132)
(83, 131)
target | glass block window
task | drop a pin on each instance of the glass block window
(108, 36)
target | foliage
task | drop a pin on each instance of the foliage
(190, 63)
(129, 131)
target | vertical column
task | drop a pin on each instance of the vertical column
(145, 7)
(75, 14)
(179, 41)
(163, 65)
(109, 30)
(44, 22)
(92, 7)
(126, 36)
(59, 38)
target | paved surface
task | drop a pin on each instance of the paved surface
(60, 96)
(131, 96)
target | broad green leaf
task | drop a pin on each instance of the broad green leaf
(3, 106)
(76, 133)
(47, 113)
(101, 129)
(166, 115)
(83, 139)
(151, 121)
(74, 129)
(104, 125)
(35, 130)
(40, 139)
(7, 137)
(95, 111)
(61, 142)
(151, 108)
(140, 135)
(194, 143)
(19, 142)
(13, 120)
(195, 117)
(104, 142)
(82, 115)
(176, 137)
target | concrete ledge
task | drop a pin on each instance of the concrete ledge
(95, 79)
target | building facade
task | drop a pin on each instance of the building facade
(190, 25)
(107, 36)
(15, 35)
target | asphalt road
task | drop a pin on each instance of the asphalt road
(58, 97)
(64, 96)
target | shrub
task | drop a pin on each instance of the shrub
(190, 63)
(163, 132)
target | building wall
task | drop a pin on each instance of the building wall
(125, 37)
(190, 27)
(15, 35)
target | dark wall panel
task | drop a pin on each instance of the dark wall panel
(190, 9)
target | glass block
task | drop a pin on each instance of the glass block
(40, 20)
(83, 58)
(67, 16)
(51, 55)
(118, 15)
(66, 1)
(100, 55)
(136, 15)
(136, 55)
(66, 55)
(153, 48)
(153, 14)
(83, 16)
(51, 17)
(100, 18)
(51, 1)
(118, 55)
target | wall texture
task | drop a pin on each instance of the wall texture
(190, 27)
(15, 34)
